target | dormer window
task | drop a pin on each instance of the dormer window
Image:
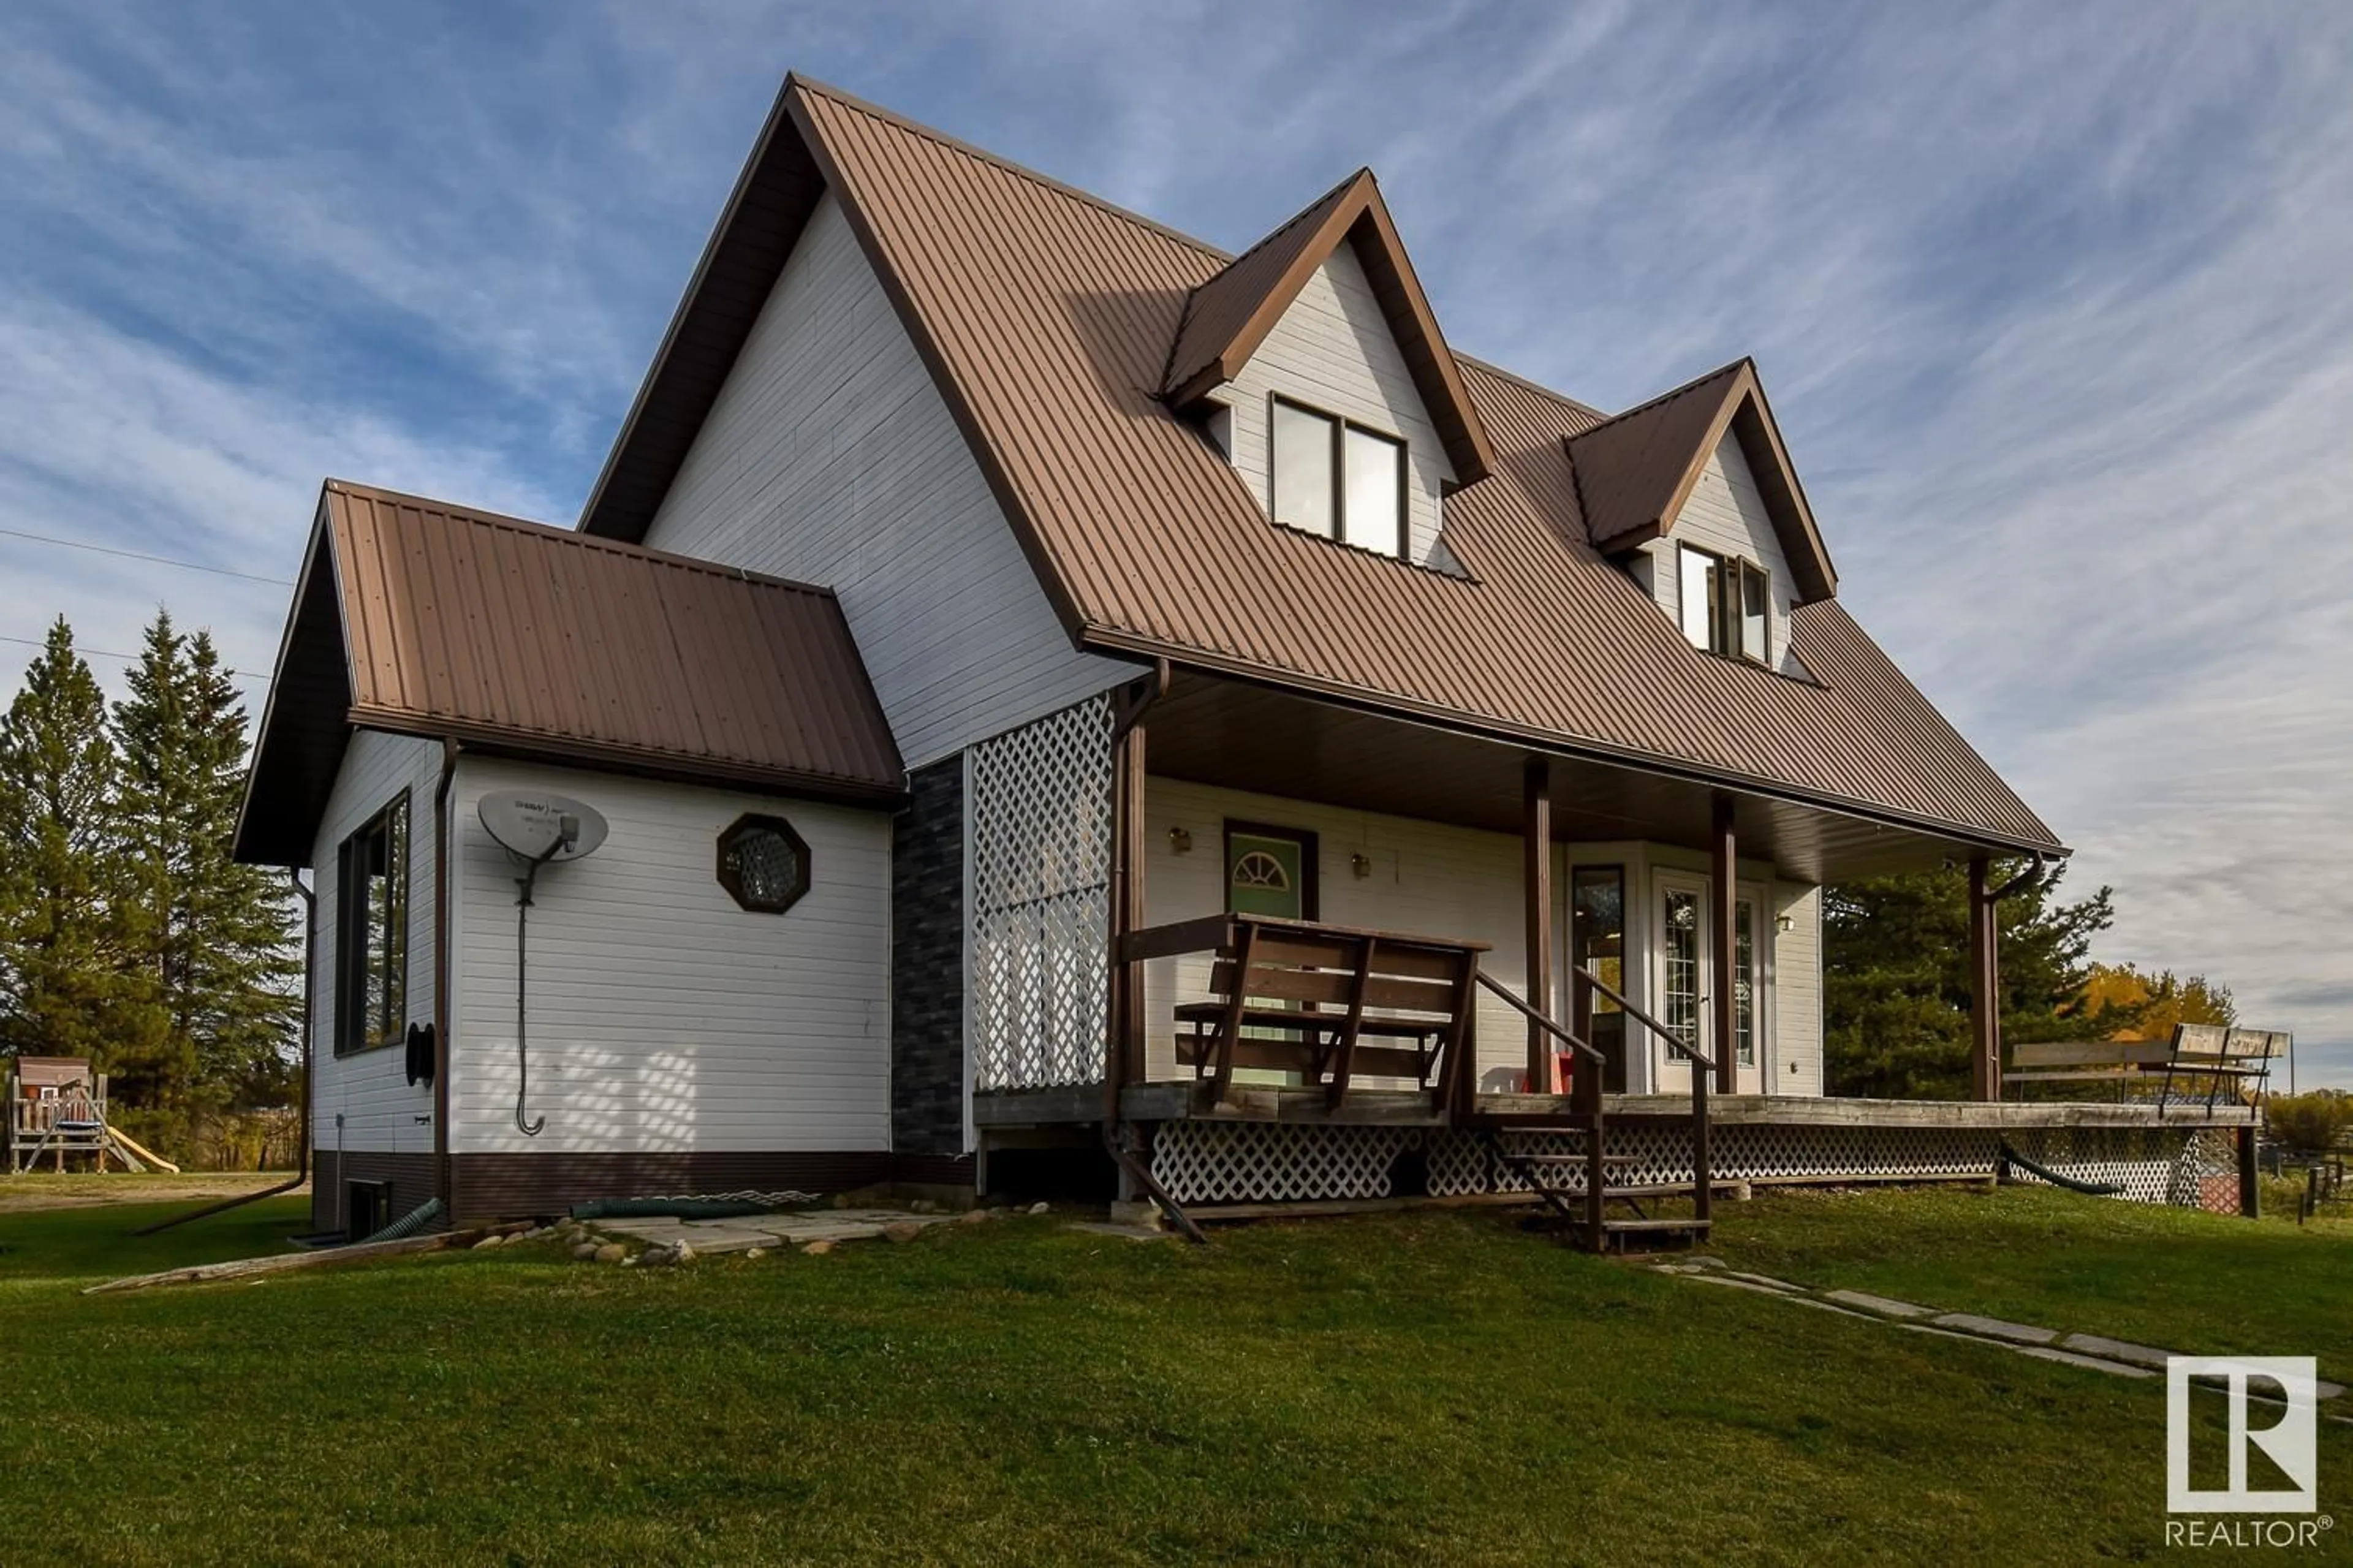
(1337, 478)
(1726, 604)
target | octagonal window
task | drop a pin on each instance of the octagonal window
(763, 864)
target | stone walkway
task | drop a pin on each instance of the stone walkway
(2119, 1358)
(769, 1231)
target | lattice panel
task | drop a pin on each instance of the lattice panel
(1040, 845)
(1251, 1162)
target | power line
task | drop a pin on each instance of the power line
(125, 657)
(142, 555)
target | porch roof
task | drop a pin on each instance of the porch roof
(1275, 742)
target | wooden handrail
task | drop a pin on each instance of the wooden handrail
(1670, 1036)
(1583, 1049)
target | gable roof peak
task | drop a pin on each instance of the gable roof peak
(1228, 315)
(1635, 470)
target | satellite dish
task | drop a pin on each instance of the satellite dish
(543, 827)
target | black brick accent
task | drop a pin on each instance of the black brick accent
(927, 964)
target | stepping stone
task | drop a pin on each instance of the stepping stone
(1765, 1279)
(1106, 1227)
(1995, 1329)
(2113, 1368)
(1886, 1307)
(1744, 1285)
(2117, 1350)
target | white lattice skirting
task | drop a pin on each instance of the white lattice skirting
(1038, 974)
(1257, 1161)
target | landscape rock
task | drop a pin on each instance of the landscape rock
(755, 1252)
(584, 1251)
(488, 1241)
(903, 1231)
(923, 1205)
(681, 1253)
(976, 1216)
(611, 1252)
(1037, 1208)
(818, 1249)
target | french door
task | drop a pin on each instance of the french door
(1687, 974)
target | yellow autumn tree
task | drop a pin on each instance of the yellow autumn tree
(2142, 1006)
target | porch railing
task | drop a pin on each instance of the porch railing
(1583, 985)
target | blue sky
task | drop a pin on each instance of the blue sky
(2053, 304)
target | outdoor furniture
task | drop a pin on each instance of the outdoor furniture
(2201, 1061)
(1327, 1002)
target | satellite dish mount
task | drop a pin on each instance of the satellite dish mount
(535, 830)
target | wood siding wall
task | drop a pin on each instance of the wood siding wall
(1333, 350)
(829, 457)
(663, 1017)
(1725, 514)
(1798, 990)
(371, 1091)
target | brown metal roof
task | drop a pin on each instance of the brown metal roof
(1048, 318)
(1635, 470)
(430, 619)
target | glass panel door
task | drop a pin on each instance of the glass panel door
(1270, 871)
(1682, 977)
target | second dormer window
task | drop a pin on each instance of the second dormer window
(1336, 479)
(1726, 604)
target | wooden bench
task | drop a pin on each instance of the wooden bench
(1329, 1003)
(2202, 1058)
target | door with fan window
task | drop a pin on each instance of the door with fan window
(1270, 871)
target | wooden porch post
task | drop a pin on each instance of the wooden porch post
(1536, 880)
(1985, 986)
(1123, 1054)
(1725, 879)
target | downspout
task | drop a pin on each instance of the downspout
(302, 1120)
(442, 836)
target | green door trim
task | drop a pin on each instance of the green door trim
(1310, 890)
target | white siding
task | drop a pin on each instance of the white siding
(662, 1016)
(1333, 350)
(829, 457)
(1798, 990)
(1425, 877)
(380, 1108)
(1725, 514)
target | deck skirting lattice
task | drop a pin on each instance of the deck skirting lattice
(1206, 1162)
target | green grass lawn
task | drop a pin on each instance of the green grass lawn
(1435, 1388)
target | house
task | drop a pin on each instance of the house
(1202, 722)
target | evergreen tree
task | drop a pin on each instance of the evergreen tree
(70, 984)
(1896, 978)
(219, 941)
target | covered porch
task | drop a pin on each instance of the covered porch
(1496, 966)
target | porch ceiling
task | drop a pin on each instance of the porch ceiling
(1272, 741)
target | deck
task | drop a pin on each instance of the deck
(1185, 1101)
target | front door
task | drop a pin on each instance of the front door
(1688, 975)
(1268, 871)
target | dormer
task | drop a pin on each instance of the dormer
(1694, 494)
(1313, 361)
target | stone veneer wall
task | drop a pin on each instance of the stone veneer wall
(927, 964)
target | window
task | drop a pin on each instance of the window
(1744, 980)
(372, 932)
(1596, 938)
(763, 864)
(1340, 480)
(1724, 605)
(1680, 994)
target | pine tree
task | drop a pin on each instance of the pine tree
(1896, 978)
(219, 938)
(70, 984)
